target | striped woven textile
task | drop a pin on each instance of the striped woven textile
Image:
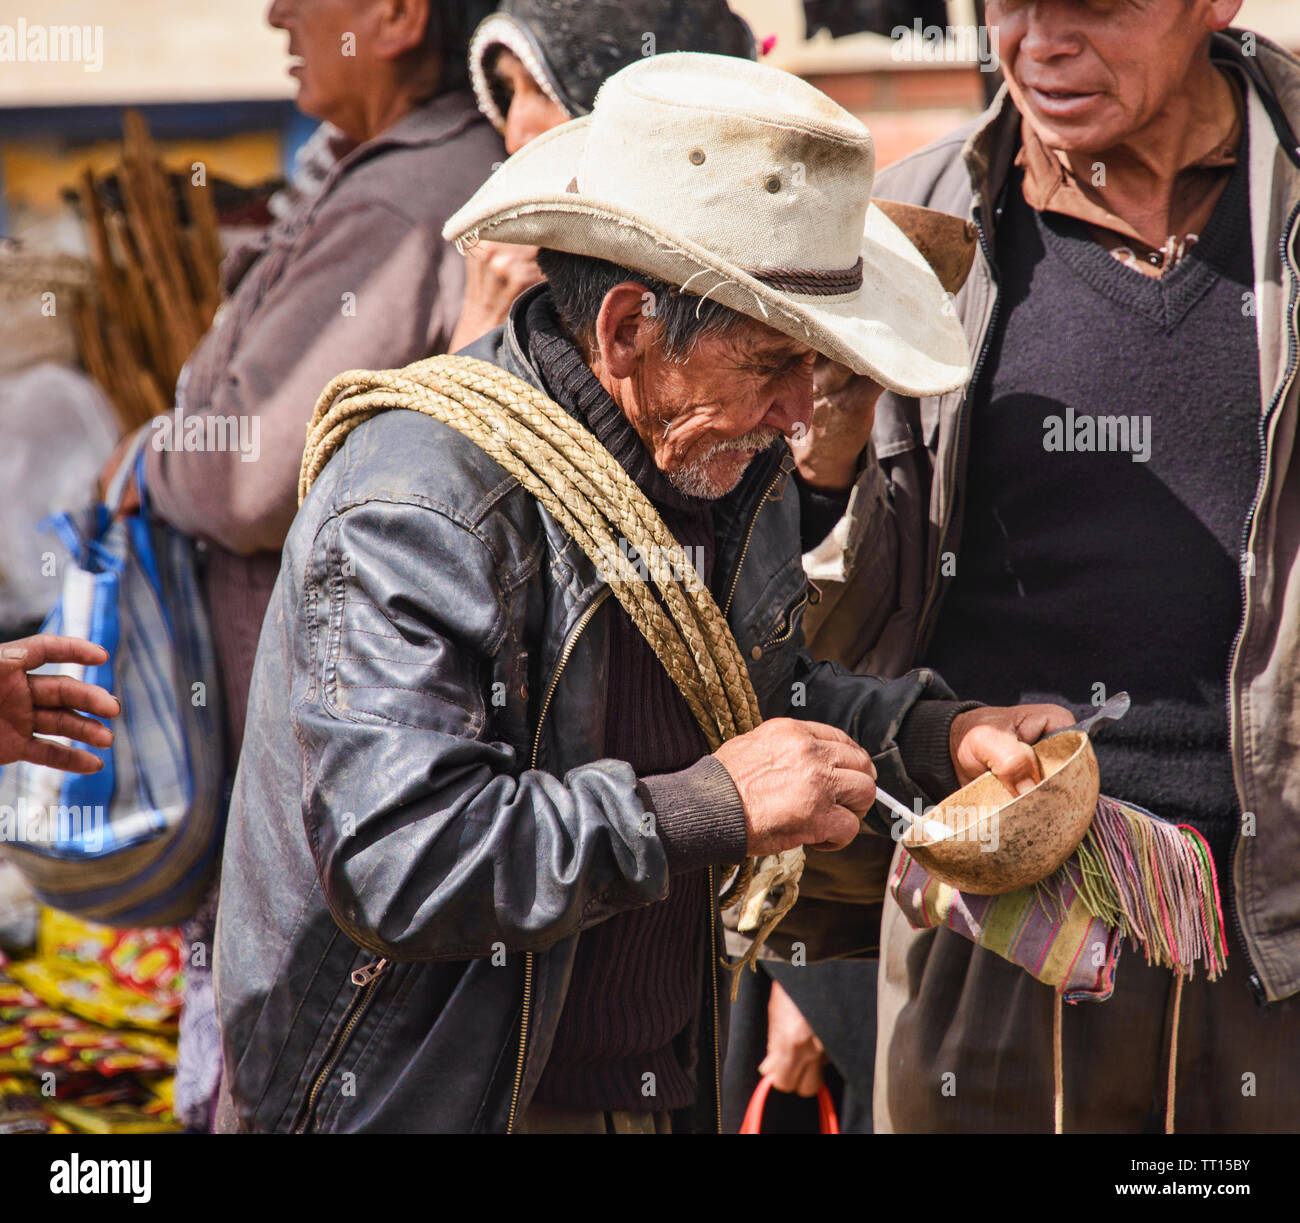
(1050, 934)
(1133, 876)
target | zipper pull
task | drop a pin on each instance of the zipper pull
(363, 976)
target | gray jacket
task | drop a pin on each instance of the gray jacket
(428, 821)
(883, 569)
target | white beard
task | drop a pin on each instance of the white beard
(695, 478)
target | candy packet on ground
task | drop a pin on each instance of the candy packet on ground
(87, 1030)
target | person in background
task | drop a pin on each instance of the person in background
(357, 275)
(36, 705)
(535, 64)
(1137, 193)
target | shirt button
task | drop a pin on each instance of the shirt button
(756, 653)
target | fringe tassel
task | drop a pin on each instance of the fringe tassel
(1156, 883)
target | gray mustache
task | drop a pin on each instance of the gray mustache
(758, 438)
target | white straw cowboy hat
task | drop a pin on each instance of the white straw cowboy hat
(744, 184)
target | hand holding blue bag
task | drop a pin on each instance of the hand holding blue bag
(136, 843)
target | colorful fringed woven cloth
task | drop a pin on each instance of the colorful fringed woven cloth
(1134, 876)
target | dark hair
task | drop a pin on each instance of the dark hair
(579, 283)
(450, 27)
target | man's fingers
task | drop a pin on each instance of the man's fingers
(1014, 764)
(64, 692)
(848, 756)
(57, 756)
(28, 653)
(854, 790)
(843, 750)
(68, 725)
(1040, 720)
(841, 826)
(783, 1071)
(810, 1079)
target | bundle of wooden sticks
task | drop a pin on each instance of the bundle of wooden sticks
(155, 285)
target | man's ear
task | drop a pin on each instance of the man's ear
(401, 27)
(1223, 13)
(623, 327)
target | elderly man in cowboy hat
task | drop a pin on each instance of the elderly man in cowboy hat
(470, 875)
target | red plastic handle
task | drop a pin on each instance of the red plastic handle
(753, 1122)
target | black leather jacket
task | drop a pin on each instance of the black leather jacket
(423, 819)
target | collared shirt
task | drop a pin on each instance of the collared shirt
(1050, 185)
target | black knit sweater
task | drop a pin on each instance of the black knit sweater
(1082, 567)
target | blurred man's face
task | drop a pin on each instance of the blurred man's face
(528, 111)
(330, 82)
(1091, 73)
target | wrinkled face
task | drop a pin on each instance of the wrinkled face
(329, 81)
(1091, 73)
(705, 418)
(528, 111)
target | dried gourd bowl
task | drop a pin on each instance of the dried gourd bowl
(1001, 842)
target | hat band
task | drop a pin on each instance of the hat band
(810, 282)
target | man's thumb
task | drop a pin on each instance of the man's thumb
(1016, 768)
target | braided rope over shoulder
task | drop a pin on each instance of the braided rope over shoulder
(595, 501)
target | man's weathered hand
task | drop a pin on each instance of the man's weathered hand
(795, 1056)
(995, 739)
(32, 705)
(844, 410)
(802, 783)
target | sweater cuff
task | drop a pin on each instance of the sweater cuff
(923, 743)
(698, 814)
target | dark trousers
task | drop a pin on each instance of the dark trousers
(966, 1047)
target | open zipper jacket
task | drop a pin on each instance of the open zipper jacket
(882, 571)
(424, 821)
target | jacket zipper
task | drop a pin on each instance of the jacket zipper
(713, 982)
(1261, 491)
(565, 655)
(782, 638)
(523, 1040)
(749, 535)
(713, 890)
(526, 1009)
(367, 980)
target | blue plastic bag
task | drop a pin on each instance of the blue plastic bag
(136, 843)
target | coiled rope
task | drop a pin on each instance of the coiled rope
(595, 501)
